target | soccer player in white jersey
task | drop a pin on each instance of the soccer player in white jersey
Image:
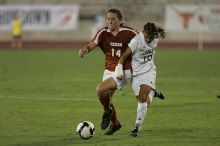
(142, 47)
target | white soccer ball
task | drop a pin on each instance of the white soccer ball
(85, 129)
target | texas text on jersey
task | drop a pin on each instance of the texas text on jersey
(113, 46)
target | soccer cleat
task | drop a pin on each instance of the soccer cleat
(113, 129)
(158, 94)
(135, 132)
(106, 118)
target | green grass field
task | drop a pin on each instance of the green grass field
(45, 94)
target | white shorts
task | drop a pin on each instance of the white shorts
(148, 78)
(120, 83)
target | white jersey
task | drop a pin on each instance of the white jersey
(142, 54)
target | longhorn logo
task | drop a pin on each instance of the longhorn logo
(185, 16)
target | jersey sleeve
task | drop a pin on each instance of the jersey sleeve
(134, 44)
(98, 37)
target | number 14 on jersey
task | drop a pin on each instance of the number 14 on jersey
(117, 53)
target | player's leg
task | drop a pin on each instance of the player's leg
(114, 118)
(19, 43)
(103, 93)
(104, 97)
(144, 99)
(13, 42)
(120, 84)
(142, 86)
(115, 126)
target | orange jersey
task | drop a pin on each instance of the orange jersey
(113, 46)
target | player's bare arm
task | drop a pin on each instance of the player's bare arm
(125, 55)
(86, 49)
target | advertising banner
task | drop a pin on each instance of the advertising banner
(41, 17)
(193, 18)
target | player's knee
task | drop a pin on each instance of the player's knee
(100, 90)
(142, 100)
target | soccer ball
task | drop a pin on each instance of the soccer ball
(85, 129)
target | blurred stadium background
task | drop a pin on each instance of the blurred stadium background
(190, 23)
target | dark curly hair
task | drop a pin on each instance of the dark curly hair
(154, 30)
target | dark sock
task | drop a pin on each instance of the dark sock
(114, 119)
(105, 101)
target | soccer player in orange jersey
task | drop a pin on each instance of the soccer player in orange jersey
(112, 40)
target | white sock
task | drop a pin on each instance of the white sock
(151, 95)
(141, 112)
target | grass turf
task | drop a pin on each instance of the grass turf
(45, 94)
